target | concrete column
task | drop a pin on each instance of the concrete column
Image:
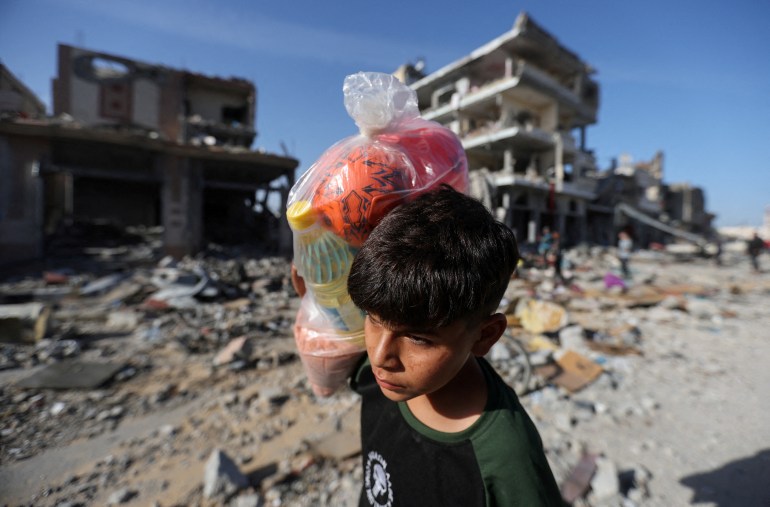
(182, 205)
(537, 220)
(583, 223)
(532, 230)
(69, 194)
(508, 160)
(506, 205)
(558, 161)
(21, 203)
(285, 237)
(561, 222)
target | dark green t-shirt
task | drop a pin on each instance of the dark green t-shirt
(498, 461)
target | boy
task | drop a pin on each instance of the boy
(438, 425)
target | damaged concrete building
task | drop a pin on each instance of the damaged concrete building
(521, 104)
(652, 210)
(132, 143)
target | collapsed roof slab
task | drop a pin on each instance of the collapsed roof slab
(526, 40)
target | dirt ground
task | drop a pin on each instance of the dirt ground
(681, 419)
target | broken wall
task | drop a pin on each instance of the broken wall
(101, 89)
(516, 103)
(21, 198)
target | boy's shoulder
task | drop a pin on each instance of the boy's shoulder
(509, 426)
(501, 453)
(511, 449)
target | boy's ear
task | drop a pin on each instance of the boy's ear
(492, 328)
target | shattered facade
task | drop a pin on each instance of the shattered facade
(133, 144)
(521, 105)
(685, 205)
(647, 207)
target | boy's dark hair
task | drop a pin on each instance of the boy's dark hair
(433, 261)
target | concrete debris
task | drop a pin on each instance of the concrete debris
(605, 483)
(577, 483)
(23, 323)
(223, 478)
(121, 496)
(71, 374)
(177, 288)
(251, 500)
(538, 316)
(123, 321)
(131, 388)
(238, 348)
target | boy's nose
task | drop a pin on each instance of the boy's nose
(384, 353)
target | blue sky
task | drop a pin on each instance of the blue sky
(691, 78)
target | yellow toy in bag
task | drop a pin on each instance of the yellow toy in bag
(336, 203)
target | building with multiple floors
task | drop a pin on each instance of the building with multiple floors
(521, 105)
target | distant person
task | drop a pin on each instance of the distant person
(754, 248)
(558, 255)
(544, 246)
(624, 252)
(438, 424)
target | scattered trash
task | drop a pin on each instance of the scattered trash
(101, 285)
(539, 316)
(612, 281)
(572, 371)
(579, 480)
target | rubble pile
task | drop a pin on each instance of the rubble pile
(177, 383)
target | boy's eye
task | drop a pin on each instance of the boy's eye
(419, 340)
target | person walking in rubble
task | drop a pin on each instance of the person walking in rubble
(624, 252)
(544, 247)
(557, 255)
(754, 248)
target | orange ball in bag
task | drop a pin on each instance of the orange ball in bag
(359, 188)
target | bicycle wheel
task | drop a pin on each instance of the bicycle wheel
(511, 360)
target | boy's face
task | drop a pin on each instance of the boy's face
(408, 363)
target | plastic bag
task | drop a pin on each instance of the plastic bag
(328, 354)
(333, 207)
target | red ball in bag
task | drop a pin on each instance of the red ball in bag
(436, 153)
(358, 189)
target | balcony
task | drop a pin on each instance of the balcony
(530, 85)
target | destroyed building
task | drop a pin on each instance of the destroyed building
(521, 104)
(649, 208)
(686, 207)
(137, 144)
